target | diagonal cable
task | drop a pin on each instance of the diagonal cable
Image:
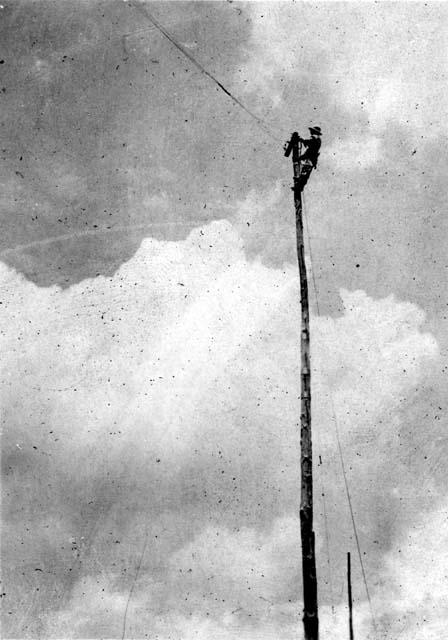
(261, 123)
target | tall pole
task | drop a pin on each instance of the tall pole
(350, 599)
(310, 610)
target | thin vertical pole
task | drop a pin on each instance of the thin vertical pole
(310, 609)
(350, 599)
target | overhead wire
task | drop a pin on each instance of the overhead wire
(352, 515)
(268, 131)
(261, 123)
(134, 582)
(338, 440)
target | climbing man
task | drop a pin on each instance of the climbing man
(308, 160)
(312, 147)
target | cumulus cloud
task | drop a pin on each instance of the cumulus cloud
(348, 155)
(266, 226)
(362, 72)
(417, 572)
(159, 407)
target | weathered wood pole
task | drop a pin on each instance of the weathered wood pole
(310, 608)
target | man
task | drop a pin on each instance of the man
(308, 160)
(312, 147)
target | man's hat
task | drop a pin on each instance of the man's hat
(315, 130)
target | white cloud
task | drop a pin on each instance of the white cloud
(265, 223)
(373, 354)
(223, 584)
(349, 154)
(358, 71)
(166, 397)
(418, 575)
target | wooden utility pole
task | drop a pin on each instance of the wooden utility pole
(350, 599)
(310, 610)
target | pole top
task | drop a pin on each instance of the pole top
(290, 145)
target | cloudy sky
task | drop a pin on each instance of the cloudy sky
(149, 318)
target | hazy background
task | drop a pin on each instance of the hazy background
(150, 309)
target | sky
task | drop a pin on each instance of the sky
(150, 318)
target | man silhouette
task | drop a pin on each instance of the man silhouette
(312, 147)
(308, 160)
